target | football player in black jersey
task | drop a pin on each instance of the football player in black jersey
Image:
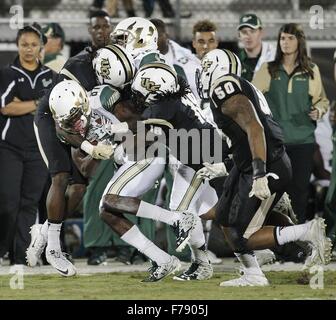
(58, 156)
(261, 169)
(167, 104)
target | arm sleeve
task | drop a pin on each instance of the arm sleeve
(317, 92)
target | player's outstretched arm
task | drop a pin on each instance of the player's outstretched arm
(241, 110)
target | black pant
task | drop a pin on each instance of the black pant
(23, 175)
(301, 157)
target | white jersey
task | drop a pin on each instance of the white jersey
(184, 62)
(101, 100)
(147, 57)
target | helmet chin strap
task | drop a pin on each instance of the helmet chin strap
(84, 120)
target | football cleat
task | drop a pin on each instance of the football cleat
(58, 260)
(198, 270)
(158, 272)
(36, 246)
(284, 206)
(247, 280)
(183, 229)
(320, 244)
(265, 256)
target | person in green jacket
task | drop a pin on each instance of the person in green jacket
(294, 91)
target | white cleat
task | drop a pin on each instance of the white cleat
(158, 272)
(58, 260)
(198, 270)
(247, 280)
(36, 246)
(320, 244)
(183, 229)
(265, 256)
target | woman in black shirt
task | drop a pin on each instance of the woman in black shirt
(22, 170)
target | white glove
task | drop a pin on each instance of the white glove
(211, 171)
(260, 187)
(121, 127)
(100, 151)
(119, 154)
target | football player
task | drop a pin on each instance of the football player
(261, 170)
(168, 99)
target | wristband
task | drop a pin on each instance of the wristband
(259, 168)
(87, 147)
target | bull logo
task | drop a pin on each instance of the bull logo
(206, 64)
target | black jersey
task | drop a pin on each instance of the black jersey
(228, 86)
(25, 85)
(78, 68)
(178, 113)
(195, 138)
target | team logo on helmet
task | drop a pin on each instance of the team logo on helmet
(105, 68)
(149, 85)
(140, 40)
(206, 64)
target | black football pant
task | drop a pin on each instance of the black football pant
(23, 175)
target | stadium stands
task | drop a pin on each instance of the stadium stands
(72, 15)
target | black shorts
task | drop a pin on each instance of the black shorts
(247, 215)
(56, 155)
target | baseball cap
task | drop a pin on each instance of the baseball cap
(249, 20)
(53, 30)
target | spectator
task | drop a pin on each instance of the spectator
(254, 52)
(22, 170)
(294, 91)
(53, 57)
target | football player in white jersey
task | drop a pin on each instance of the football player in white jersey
(134, 178)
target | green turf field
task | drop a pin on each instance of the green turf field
(127, 286)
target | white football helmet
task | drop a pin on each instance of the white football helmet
(113, 66)
(152, 81)
(69, 105)
(215, 64)
(136, 35)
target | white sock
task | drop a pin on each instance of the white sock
(135, 238)
(197, 238)
(44, 229)
(249, 261)
(289, 234)
(54, 231)
(150, 211)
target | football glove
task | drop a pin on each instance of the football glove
(100, 151)
(211, 171)
(260, 187)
